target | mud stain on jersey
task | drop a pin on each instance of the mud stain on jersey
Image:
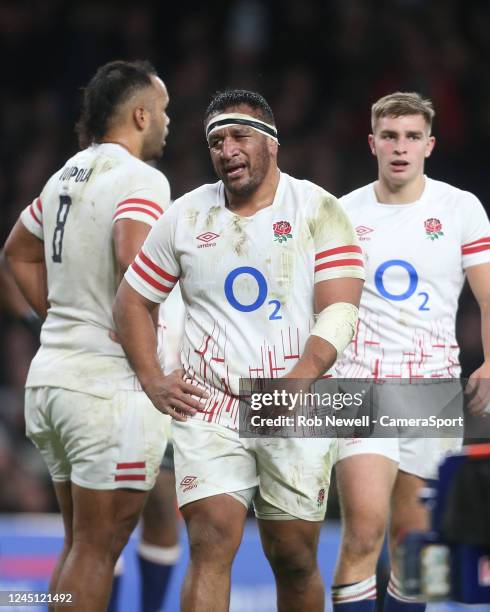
(211, 216)
(103, 165)
(191, 217)
(312, 223)
(276, 296)
(405, 318)
(287, 269)
(282, 276)
(330, 220)
(106, 166)
(240, 238)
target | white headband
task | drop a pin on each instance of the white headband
(227, 119)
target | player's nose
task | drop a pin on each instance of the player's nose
(401, 146)
(229, 148)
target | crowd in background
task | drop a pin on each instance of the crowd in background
(320, 64)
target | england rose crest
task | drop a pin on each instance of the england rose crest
(433, 228)
(320, 498)
(282, 231)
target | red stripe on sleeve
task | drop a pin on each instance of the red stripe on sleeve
(160, 271)
(141, 201)
(128, 466)
(339, 263)
(39, 204)
(484, 239)
(118, 213)
(33, 215)
(149, 279)
(475, 249)
(130, 477)
(343, 249)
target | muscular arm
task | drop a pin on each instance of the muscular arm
(128, 236)
(479, 381)
(11, 295)
(24, 259)
(133, 316)
(319, 355)
(136, 332)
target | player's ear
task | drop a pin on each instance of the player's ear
(430, 145)
(272, 146)
(140, 117)
(371, 143)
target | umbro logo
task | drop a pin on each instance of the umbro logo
(208, 239)
(362, 231)
(187, 480)
(187, 483)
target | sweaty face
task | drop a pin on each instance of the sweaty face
(157, 132)
(241, 156)
(401, 145)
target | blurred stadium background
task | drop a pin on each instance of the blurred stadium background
(320, 64)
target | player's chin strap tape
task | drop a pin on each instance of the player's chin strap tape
(337, 324)
(226, 119)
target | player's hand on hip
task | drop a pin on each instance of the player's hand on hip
(478, 391)
(173, 396)
(113, 336)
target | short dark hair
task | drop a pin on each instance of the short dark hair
(112, 84)
(401, 104)
(234, 97)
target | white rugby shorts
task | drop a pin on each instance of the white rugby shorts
(417, 454)
(95, 442)
(286, 477)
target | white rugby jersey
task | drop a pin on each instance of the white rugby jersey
(247, 282)
(171, 330)
(415, 258)
(74, 216)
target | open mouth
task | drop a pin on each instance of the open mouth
(399, 165)
(235, 171)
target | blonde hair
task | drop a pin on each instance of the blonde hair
(402, 103)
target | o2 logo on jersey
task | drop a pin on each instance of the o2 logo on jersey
(261, 297)
(413, 281)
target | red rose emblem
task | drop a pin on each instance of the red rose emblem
(282, 228)
(433, 225)
(282, 231)
(433, 228)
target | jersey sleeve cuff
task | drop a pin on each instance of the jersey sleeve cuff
(143, 217)
(475, 259)
(150, 279)
(142, 288)
(342, 272)
(31, 223)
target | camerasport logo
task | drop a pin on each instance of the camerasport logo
(282, 231)
(433, 228)
(208, 239)
(187, 483)
(321, 498)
